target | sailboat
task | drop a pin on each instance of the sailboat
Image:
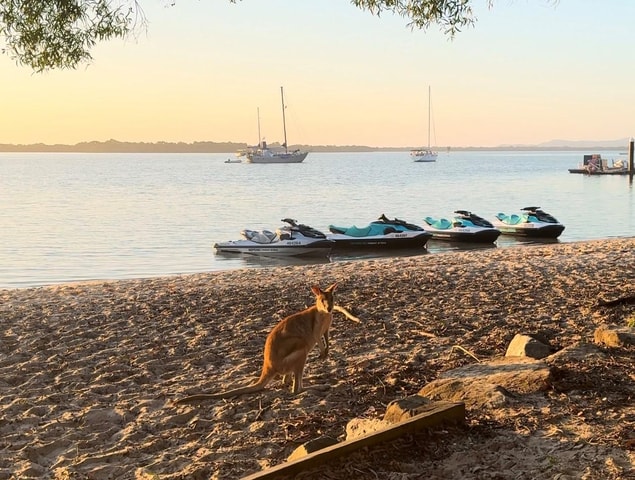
(264, 154)
(425, 154)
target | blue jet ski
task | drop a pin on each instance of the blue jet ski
(463, 227)
(383, 233)
(531, 222)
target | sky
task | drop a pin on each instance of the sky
(529, 71)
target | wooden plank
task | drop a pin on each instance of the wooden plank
(438, 413)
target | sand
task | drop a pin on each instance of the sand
(88, 372)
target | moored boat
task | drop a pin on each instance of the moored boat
(264, 154)
(594, 164)
(383, 233)
(531, 222)
(425, 154)
(463, 227)
(292, 239)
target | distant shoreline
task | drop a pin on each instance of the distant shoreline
(114, 146)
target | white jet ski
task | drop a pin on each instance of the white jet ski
(292, 239)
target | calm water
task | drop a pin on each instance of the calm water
(68, 217)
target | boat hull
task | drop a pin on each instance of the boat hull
(467, 235)
(284, 248)
(393, 241)
(424, 155)
(609, 171)
(277, 158)
(531, 230)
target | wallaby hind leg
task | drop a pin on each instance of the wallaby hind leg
(294, 364)
(297, 380)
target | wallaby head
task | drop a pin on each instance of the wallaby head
(324, 300)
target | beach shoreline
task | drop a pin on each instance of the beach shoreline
(89, 370)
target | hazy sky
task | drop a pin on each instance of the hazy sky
(528, 72)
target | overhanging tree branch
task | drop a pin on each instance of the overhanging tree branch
(44, 34)
(451, 15)
(47, 34)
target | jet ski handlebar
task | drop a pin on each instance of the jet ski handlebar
(395, 221)
(305, 230)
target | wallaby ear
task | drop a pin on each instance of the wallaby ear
(332, 288)
(316, 290)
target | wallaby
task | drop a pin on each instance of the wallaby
(289, 343)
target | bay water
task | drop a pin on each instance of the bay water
(68, 217)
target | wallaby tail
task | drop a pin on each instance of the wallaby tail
(254, 387)
(196, 398)
(347, 314)
(229, 393)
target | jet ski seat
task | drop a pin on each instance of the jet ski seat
(374, 229)
(264, 236)
(441, 224)
(512, 219)
(351, 231)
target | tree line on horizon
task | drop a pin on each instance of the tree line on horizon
(114, 146)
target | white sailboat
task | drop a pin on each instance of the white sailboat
(264, 154)
(425, 154)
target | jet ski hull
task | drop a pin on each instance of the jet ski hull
(396, 240)
(532, 230)
(467, 235)
(283, 248)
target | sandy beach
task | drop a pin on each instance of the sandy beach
(89, 371)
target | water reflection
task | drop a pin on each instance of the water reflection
(437, 246)
(504, 241)
(511, 241)
(368, 254)
(238, 260)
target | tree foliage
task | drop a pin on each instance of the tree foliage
(47, 34)
(451, 15)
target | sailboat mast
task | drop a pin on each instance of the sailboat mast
(284, 122)
(429, 117)
(259, 137)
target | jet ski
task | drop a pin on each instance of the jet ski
(463, 227)
(292, 239)
(531, 222)
(382, 233)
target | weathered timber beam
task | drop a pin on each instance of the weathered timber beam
(438, 414)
